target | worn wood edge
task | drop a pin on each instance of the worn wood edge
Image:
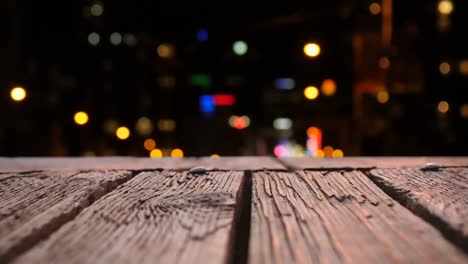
(400, 195)
(52, 222)
(133, 163)
(363, 162)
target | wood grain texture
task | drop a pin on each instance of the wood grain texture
(337, 217)
(157, 217)
(371, 162)
(34, 204)
(129, 163)
(440, 197)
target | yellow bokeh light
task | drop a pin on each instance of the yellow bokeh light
(445, 7)
(311, 92)
(312, 49)
(337, 153)
(328, 87)
(443, 107)
(81, 118)
(144, 126)
(375, 8)
(122, 133)
(444, 68)
(382, 96)
(319, 154)
(464, 111)
(18, 94)
(156, 153)
(328, 150)
(177, 153)
(149, 144)
(168, 125)
(165, 51)
(463, 67)
(215, 156)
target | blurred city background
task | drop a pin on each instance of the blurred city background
(287, 78)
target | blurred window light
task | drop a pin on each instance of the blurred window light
(464, 111)
(122, 133)
(156, 153)
(115, 38)
(382, 96)
(384, 63)
(81, 118)
(445, 7)
(97, 9)
(18, 93)
(224, 99)
(144, 126)
(239, 122)
(311, 92)
(215, 156)
(94, 39)
(285, 83)
(167, 125)
(177, 153)
(282, 123)
(375, 8)
(337, 153)
(149, 144)
(240, 47)
(207, 105)
(202, 35)
(328, 151)
(463, 67)
(129, 39)
(166, 51)
(200, 79)
(167, 81)
(328, 87)
(443, 107)
(444, 68)
(312, 50)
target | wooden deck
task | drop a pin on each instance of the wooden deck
(234, 210)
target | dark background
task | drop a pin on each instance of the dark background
(45, 50)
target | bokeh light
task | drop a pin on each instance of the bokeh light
(167, 125)
(97, 9)
(374, 8)
(156, 153)
(464, 111)
(202, 35)
(337, 153)
(311, 92)
(328, 87)
(18, 94)
(240, 47)
(81, 118)
(445, 7)
(130, 39)
(383, 96)
(239, 122)
(115, 38)
(122, 133)
(149, 144)
(282, 123)
(284, 83)
(215, 156)
(384, 63)
(443, 107)
(165, 51)
(312, 49)
(144, 126)
(328, 151)
(94, 39)
(280, 151)
(463, 67)
(177, 153)
(444, 68)
(319, 154)
(110, 126)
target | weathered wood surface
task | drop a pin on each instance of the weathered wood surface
(371, 162)
(440, 197)
(157, 217)
(223, 163)
(34, 204)
(333, 217)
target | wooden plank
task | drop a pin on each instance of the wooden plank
(371, 162)
(223, 163)
(157, 217)
(337, 217)
(34, 204)
(440, 197)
